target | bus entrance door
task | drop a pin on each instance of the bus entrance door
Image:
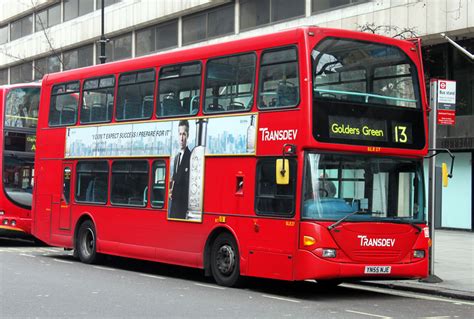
(65, 201)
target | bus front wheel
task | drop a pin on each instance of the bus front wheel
(86, 243)
(225, 262)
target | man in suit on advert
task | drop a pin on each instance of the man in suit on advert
(180, 179)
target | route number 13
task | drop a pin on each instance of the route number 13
(401, 134)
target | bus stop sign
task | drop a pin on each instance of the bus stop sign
(445, 102)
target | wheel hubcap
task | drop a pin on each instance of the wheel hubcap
(225, 259)
(88, 242)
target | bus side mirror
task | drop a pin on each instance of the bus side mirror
(444, 174)
(282, 171)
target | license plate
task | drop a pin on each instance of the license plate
(377, 269)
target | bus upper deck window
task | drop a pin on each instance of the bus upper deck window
(98, 100)
(64, 102)
(346, 70)
(135, 95)
(279, 80)
(229, 83)
(179, 90)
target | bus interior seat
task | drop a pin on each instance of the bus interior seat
(214, 108)
(54, 117)
(96, 191)
(90, 190)
(171, 106)
(98, 112)
(287, 93)
(236, 106)
(67, 115)
(147, 105)
(131, 109)
(195, 103)
(136, 201)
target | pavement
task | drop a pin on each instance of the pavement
(453, 265)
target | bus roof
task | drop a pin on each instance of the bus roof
(260, 42)
(19, 85)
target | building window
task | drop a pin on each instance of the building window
(106, 4)
(323, 5)
(77, 8)
(156, 38)
(48, 17)
(254, 13)
(21, 73)
(21, 27)
(78, 58)
(47, 65)
(118, 48)
(212, 23)
(4, 34)
(4, 76)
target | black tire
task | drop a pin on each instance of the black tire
(86, 248)
(225, 261)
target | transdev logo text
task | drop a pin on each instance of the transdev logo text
(376, 242)
(278, 135)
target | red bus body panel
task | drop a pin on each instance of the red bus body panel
(269, 247)
(11, 211)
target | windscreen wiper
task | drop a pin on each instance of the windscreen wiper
(418, 228)
(345, 217)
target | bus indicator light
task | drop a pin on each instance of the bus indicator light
(308, 241)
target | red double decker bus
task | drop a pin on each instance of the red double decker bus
(18, 120)
(295, 155)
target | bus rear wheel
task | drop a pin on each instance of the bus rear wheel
(225, 261)
(86, 243)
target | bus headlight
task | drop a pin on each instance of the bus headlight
(13, 223)
(5, 222)
(419, 254)
(329, 253)
(2, 213)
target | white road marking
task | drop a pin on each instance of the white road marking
(27, 255)
(103, 268)
(367, 314)
(54, 250)
(63, 261)
(210, 286)
(408, 294)
(152, 276)
(281, 298)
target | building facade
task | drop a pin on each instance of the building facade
(44, 36)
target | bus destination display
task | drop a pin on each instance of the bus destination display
(368, 129)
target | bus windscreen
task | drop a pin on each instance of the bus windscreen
(376, 188)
